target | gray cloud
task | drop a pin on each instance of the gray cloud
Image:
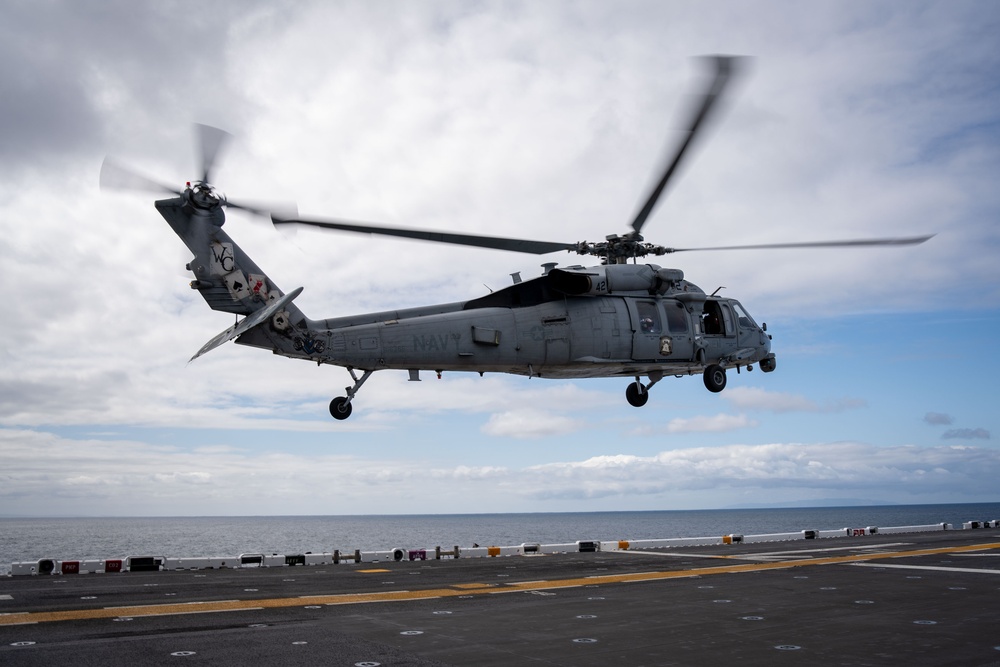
(966, 434)
(79, 75)
(938, 419)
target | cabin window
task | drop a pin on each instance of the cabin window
(677, 320)
(649, 317)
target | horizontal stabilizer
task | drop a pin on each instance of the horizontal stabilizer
(248, 323)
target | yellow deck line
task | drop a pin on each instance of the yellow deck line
(18, 618)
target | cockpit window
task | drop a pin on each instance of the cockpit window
(743, 317)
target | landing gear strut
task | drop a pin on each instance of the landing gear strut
(340, 407)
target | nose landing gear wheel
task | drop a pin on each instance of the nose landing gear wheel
(636, 394)
(715, 378)
(340, 408)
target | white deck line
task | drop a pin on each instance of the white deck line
(936, 568)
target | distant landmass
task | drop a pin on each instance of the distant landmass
(818, 502)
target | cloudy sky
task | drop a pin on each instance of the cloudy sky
(541, 120)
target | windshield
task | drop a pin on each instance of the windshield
(742, 316)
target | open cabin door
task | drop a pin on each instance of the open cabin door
(719, 329)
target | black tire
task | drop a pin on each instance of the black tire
(340, 408)
(715, 378)
(636, 395)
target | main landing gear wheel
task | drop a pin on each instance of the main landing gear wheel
(715, 378)
(340, 408)
(636, 394)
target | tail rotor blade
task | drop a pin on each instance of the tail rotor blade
(115, 176)
(210, 142)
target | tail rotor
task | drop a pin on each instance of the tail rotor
(201, 194)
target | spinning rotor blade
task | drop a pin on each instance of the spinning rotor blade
(210, 142)
(115, 176)
(259, 208)
(724, 68)
(498, 243)
(908, 240)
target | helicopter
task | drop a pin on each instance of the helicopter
(621, 318)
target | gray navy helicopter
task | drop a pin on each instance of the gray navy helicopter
(621, 318)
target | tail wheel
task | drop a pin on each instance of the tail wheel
(340, 408)
(636, 394)
(715, 378)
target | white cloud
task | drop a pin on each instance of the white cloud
(94, 476)
(720, 423)
(530, 423)
(757, 398)
(894, 472)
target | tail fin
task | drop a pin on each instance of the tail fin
(225, 276)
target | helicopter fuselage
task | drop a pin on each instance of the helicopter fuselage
(531, 329)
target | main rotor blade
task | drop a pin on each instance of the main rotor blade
(282, 210)
(210, 142)
(908, 240)
(725, 66)
(495, 242)
(115, 176)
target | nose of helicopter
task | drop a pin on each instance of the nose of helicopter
(767, 361)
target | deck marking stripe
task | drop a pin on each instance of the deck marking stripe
(200, 611)
(976, 555)
(669, 554)
(936, 568)
(853, 548)
(454, 591)
(767, 554)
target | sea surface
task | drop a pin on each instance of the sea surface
(98, 538)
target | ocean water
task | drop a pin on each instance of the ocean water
(94, 538)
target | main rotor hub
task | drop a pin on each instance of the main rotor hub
(203, 196)
(617, 249)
